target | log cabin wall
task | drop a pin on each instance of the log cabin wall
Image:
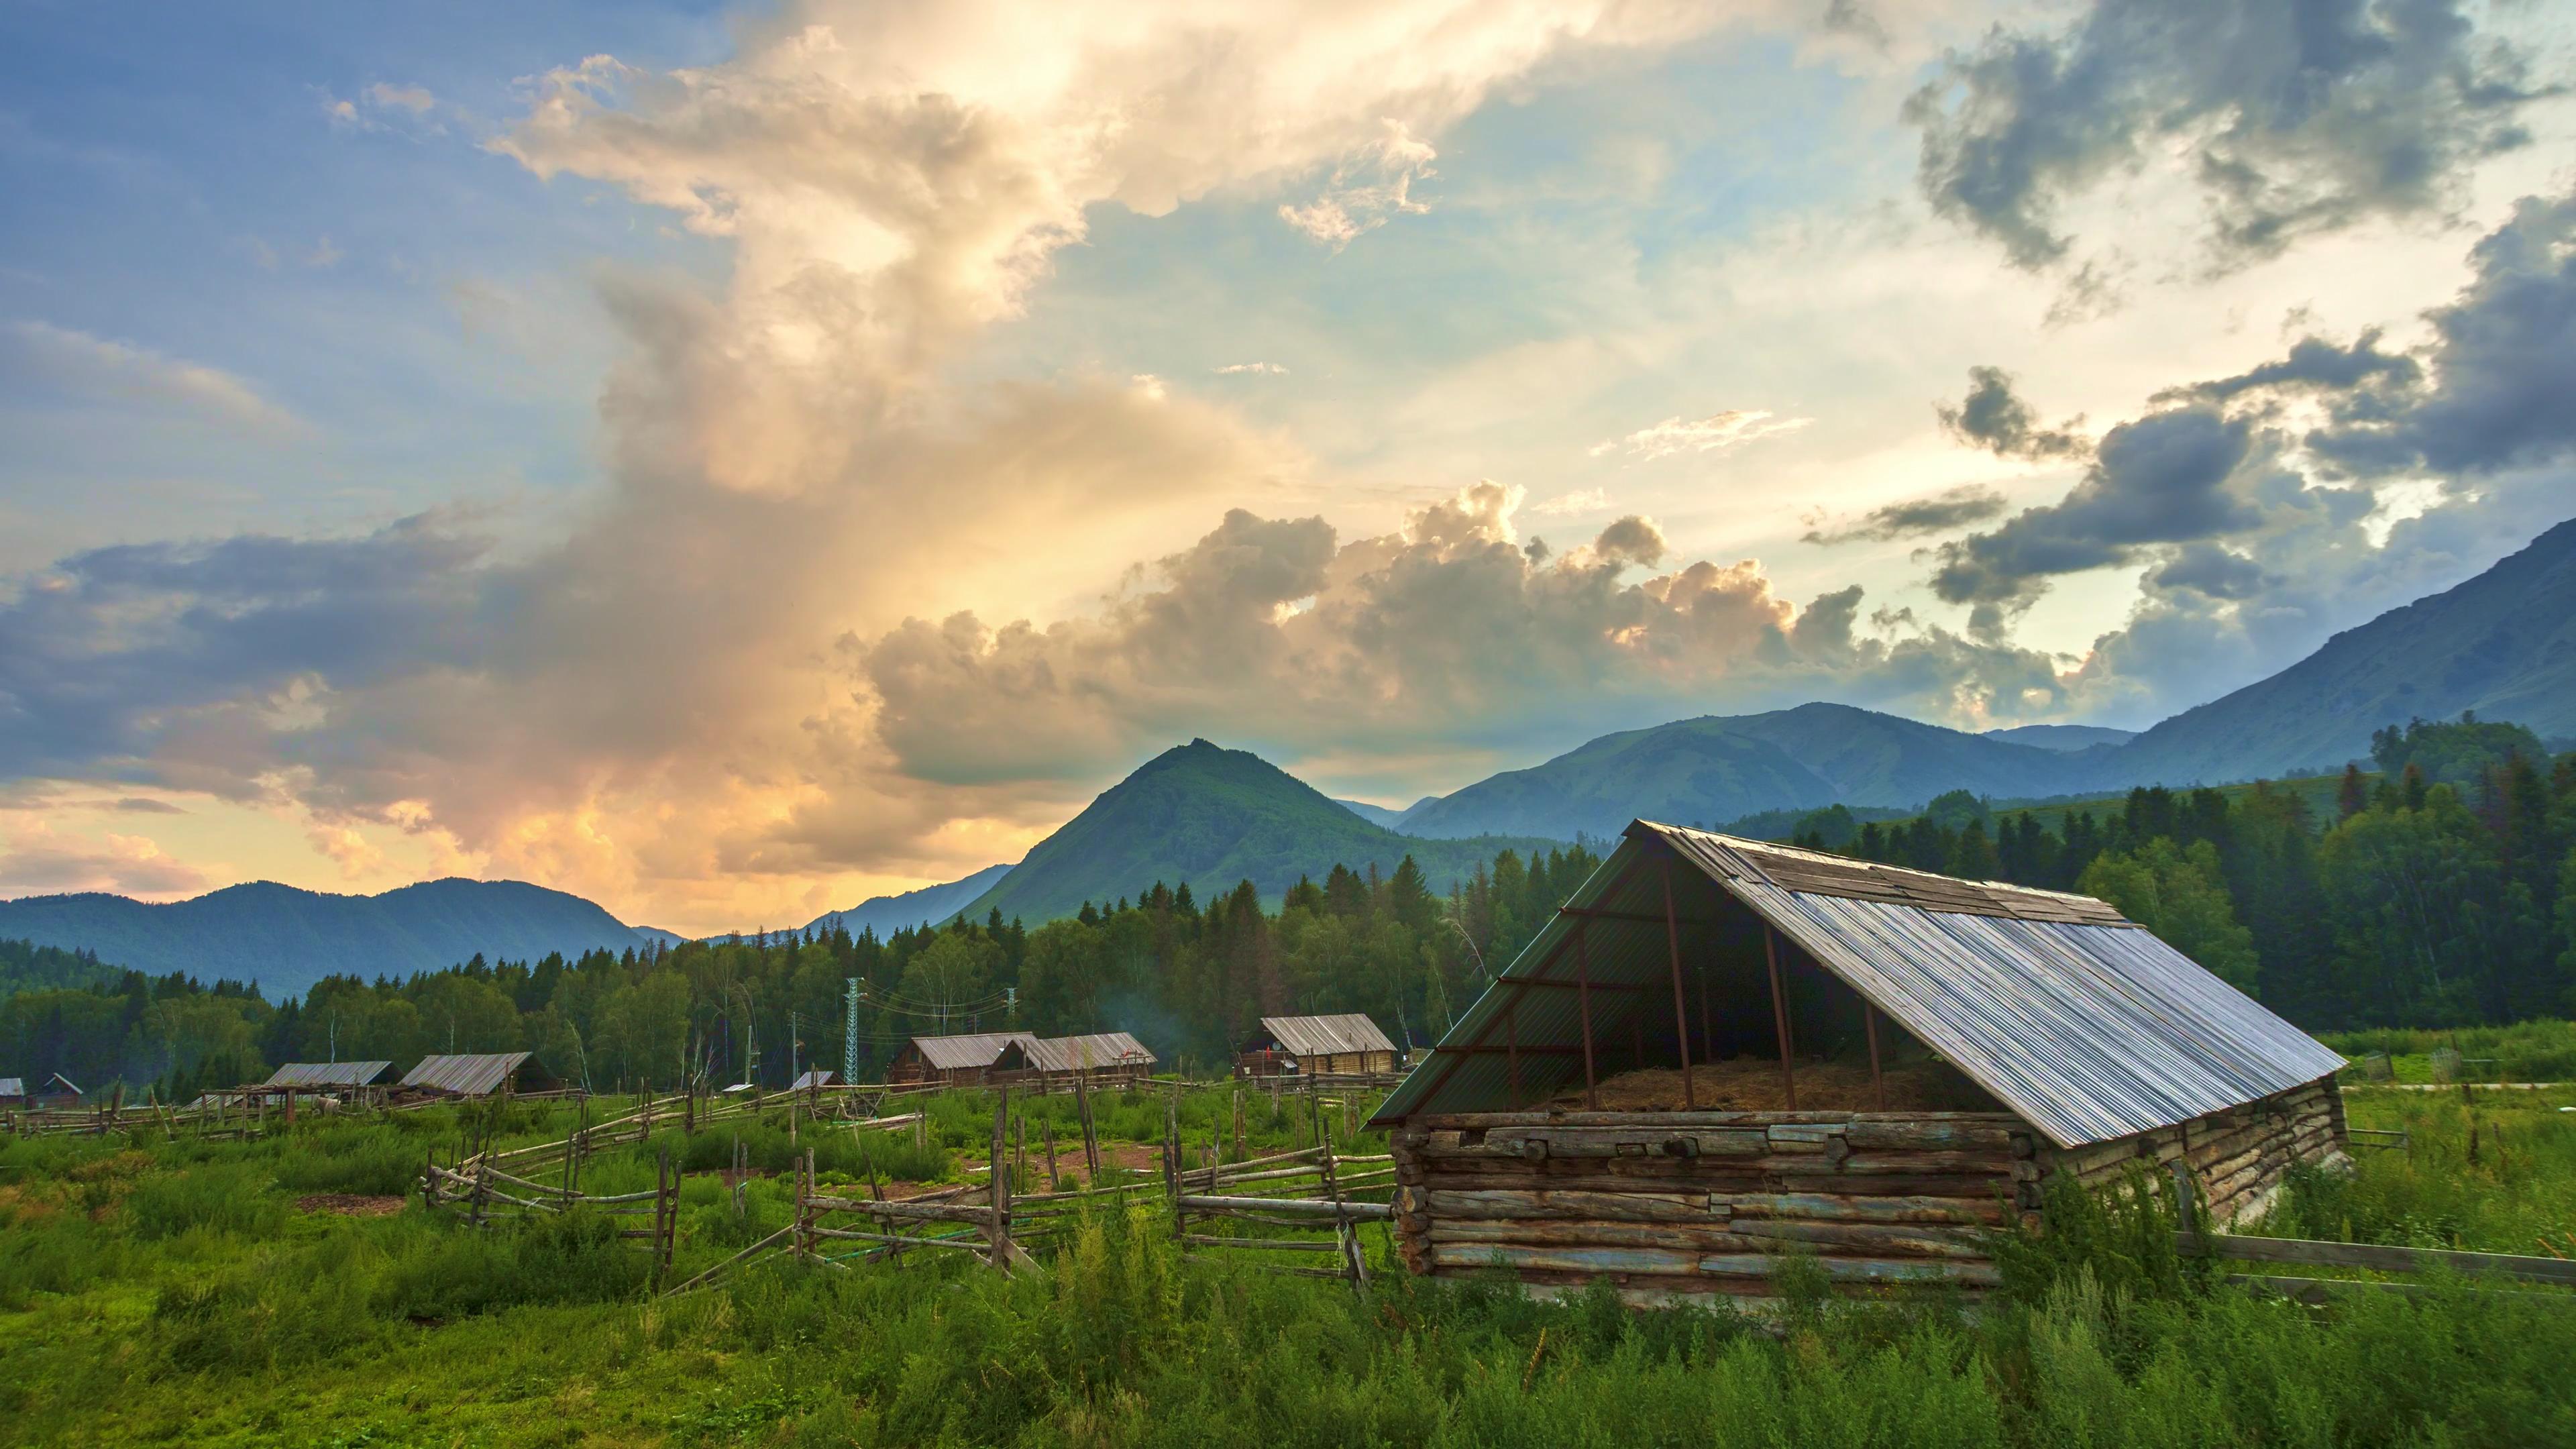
(2237, 1157)
(1698, 1203)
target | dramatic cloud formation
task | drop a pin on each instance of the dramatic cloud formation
(1993, 418)
(2295, 116)
(1952, 508)
(1719, 430)
(1451, 631)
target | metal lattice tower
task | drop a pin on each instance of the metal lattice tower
(850, 1035)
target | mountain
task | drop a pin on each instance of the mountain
(1724, 767)
(1212, 817)
(1373, 814)
(936, 905)
(2063, 738)
(286, 939)
(2502, 644)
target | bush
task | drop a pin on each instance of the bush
(368, 1161)
(220, 1197)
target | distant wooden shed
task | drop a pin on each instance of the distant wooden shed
(475, 1075)
(950, 1061)
(56, 1093)
(1099, 1058)
(13, 1092)
(1722, 1050)
(1350, 1042)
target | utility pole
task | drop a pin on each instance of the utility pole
(1010, 1006)
(850, 1035)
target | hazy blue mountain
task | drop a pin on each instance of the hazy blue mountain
(1373, 814)
(1212, 817)
(937, 905)
(2502, 644)
(287, 939)
(1721, 768)
(2063, 738)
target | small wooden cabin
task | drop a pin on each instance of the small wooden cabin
(1285, 1045)
(1108, 1058)
(55, 1094)
(950, 1061)
(1721, 1050)
(13, 1094)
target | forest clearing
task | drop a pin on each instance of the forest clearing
(164, 1289)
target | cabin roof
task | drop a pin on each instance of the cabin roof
(465, 1075)
(1322, 1036)
(815, 1078)
(966, 1053)
(12, 1087)
(2058, 1006)
(327, 1074)
(1084, 1053)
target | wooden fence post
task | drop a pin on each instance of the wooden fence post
(1055, 1183)
(1172, 1157)
(1354, 1265)
(999, 1186)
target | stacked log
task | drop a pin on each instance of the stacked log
(1666, 1203)
(2237, 1157)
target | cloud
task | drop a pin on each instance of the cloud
(2497, 387)
(1719, 430)
(1279, 632)
(1581, 500)
(1350, 205)
(1949, 509)
(356, 856)
(2293, 116)
(36, 862)
(2164, 478)
(2313, 364)
(1258, 369)
(415, 99)
(41, 357)
(1993, 418)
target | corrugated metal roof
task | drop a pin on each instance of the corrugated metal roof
(466, 1076)
(327, 1074)
(810, 1080)
(59, 1080)
(966, 1053)
(1323, 1036)
(2060, 1008)
(12, 1087)
(1085, 1053)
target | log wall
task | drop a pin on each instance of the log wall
(1680, 1203)
(2236, 1157)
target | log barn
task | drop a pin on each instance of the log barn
(474, 1075)
(1721, 1050)
(1350, 1042)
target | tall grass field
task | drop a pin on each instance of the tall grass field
(173, 1292)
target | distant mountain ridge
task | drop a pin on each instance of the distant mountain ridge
(934, 905)
(1212, 817)
(2063, 736)
(2502, 644)
(1720, 768)
(287, 939)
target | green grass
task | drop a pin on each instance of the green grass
(2486, 1171)
(132, 1311)
(2527, 1051)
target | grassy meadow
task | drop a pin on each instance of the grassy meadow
(173, 1292)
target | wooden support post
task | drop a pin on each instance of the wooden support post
(1019, 1148)
(999, 1185)
(1780, 1017)
(1583, 1007)
(1345, 1232)
(1681, 1011)
(1707, 1031)
(1172, 1157)
(1240, 1153)
(1877, 1083)
(1055, 1181)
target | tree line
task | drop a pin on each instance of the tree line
(2441, 891)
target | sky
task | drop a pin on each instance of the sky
(730, 461)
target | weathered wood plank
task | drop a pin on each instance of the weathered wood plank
(1964, 1211)
(1702, 1237)
(1569, 1260)
(1884, 1136)
(2379, 1259)
(1576, 1205)
(1874, 1239)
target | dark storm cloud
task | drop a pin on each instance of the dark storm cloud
(1996, 419)
(112, 653)
(2313, 364)
(2306, 115)
(1951, 508)
(2211, 570)
(2160, 479)
(2501, 390)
